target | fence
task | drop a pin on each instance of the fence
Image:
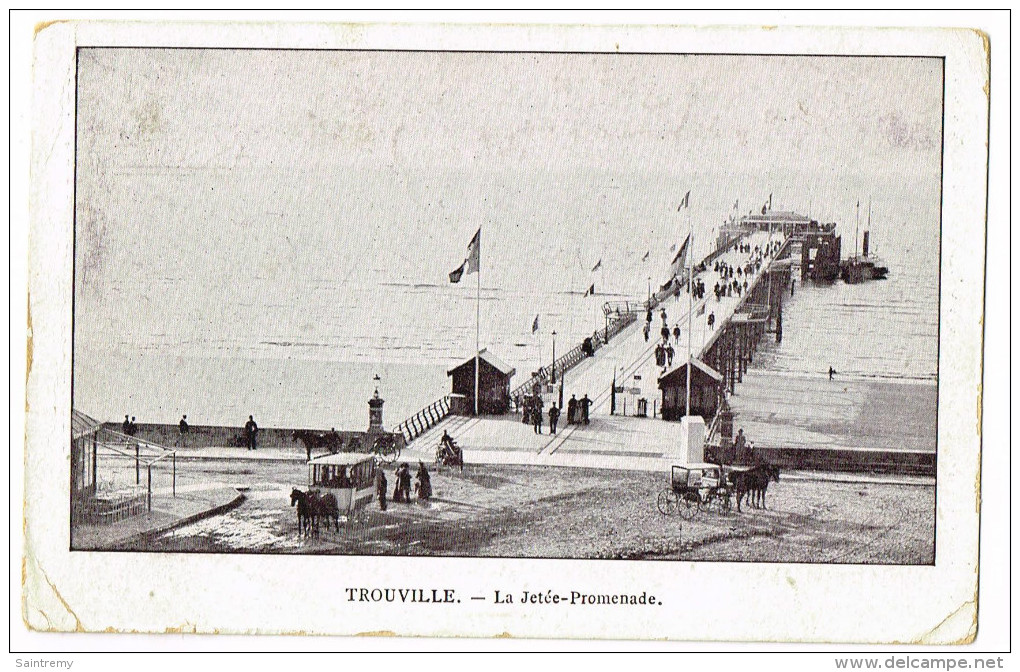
(423, 420)
(576, 354)
(121, 490)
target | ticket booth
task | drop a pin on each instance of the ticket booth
(493, 383)
(706, 391)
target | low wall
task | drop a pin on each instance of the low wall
(914, 463)
(207, 436)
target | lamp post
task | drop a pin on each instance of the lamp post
(554, 358)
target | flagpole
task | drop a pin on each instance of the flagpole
(478, 317)
(690, 305)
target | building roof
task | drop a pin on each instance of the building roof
(83, 425)
(698, 366)
(493, 361)
(344, 459)
(777, 216)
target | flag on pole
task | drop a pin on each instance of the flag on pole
(597, 266)
(474, 248)
(471, 262)
(590, 291)
(534, 325)
(680, 260)
(686, 202)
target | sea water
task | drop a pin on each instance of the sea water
(290, 319)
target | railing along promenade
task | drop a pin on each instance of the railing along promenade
(423, 420)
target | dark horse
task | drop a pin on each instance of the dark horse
(325, 507)
(313, 507)
(753, 484)
(304, 510)
(316, 441)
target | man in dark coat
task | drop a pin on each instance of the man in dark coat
(572, 410)
(536, 416)
(739, 442)
(126, 427)
(251, 430)
(405, 481)
(380, 488)
(554, 416)
(183, 428)
(585, 404)
(423, 483)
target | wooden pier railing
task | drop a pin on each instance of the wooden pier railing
(423, 420)
(577, 354)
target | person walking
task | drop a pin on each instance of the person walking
(554, 416)
(738, 444)
(183, 429)
(536, 416)
(647, 331)
(676, 333)
(423, 483)
(669, 355)
(572, 410)
(251, 430)
(398, 492)
(405, 481)
(585, 406)
(380, 488)
(126, 427)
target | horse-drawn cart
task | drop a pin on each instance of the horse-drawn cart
(338, 485)
(693, 487)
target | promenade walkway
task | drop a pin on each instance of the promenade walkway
(609, 441)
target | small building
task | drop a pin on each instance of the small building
(706, 391)
(493, 384)
(84, 445)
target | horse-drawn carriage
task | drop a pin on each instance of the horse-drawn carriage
(449, 453)
(385, 445)
(694, 487)
(706, 486)
(338, 485)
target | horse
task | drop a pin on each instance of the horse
(316, 441)
(769, 472)
(324, 506)
(304, 510)
(751, 482)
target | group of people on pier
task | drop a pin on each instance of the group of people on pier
(402, 485)
(532, 408)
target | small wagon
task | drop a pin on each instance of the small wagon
(694, 487)
(350, 477)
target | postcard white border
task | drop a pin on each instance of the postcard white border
(915, 600)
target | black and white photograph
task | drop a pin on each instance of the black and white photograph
(677, 311)
(511, 304)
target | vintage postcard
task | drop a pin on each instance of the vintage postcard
(656, 333)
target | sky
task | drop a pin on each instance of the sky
(255, 171)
